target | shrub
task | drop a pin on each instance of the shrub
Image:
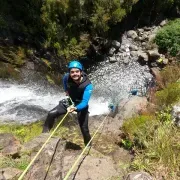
(170, 74)
(156, 144)
(168, 37)
(169, 95)
(8, 71)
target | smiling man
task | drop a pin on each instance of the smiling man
(79, 88)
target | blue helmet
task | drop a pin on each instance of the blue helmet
(75, 64)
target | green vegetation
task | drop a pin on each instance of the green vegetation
(154, 138)
(168, 37)
(65, 26)
(19, 163)
(22, 132)
(169, 95)
(155, 143)
(170, 74)
(8, 71)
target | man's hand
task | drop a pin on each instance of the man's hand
(71, 109)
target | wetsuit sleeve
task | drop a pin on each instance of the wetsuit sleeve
(86, 96)
(65, 79)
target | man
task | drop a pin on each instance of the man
(79, 88)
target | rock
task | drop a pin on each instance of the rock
(138, 176)
(163, 23)
(9, 145)
(112, 59)
(152, 37)
(99, 167)
(140, 31)
(111, 51)
(35, 144)
(144, 44)
(147, 28)
(165, 61)
(154, 64)
(134, 53)
(142, 56)
(156, 73)
(153, 54)
(176, 114)
(116, 44)
(133, 48)
(130, 107)
(132, 34)
(144, 37)
(30, 65)
(49, 162)
(126, 60)
(9, 173)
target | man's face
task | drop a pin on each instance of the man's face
(75, 74)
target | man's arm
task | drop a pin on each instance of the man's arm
(86, 96)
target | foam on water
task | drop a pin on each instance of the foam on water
(24, 103)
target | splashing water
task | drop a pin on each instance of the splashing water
(23, 103)
(31, 101)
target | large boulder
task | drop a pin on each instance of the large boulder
(48, 165)
(131, 107)
(94, 166)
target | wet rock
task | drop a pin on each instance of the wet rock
(9, 145)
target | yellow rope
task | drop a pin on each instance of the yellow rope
(32, 161)
(75, 163)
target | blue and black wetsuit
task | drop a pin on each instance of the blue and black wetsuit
(80, 95)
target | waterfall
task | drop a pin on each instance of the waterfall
(31, 99)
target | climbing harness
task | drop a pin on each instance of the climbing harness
(67, 102)
(32, 161)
